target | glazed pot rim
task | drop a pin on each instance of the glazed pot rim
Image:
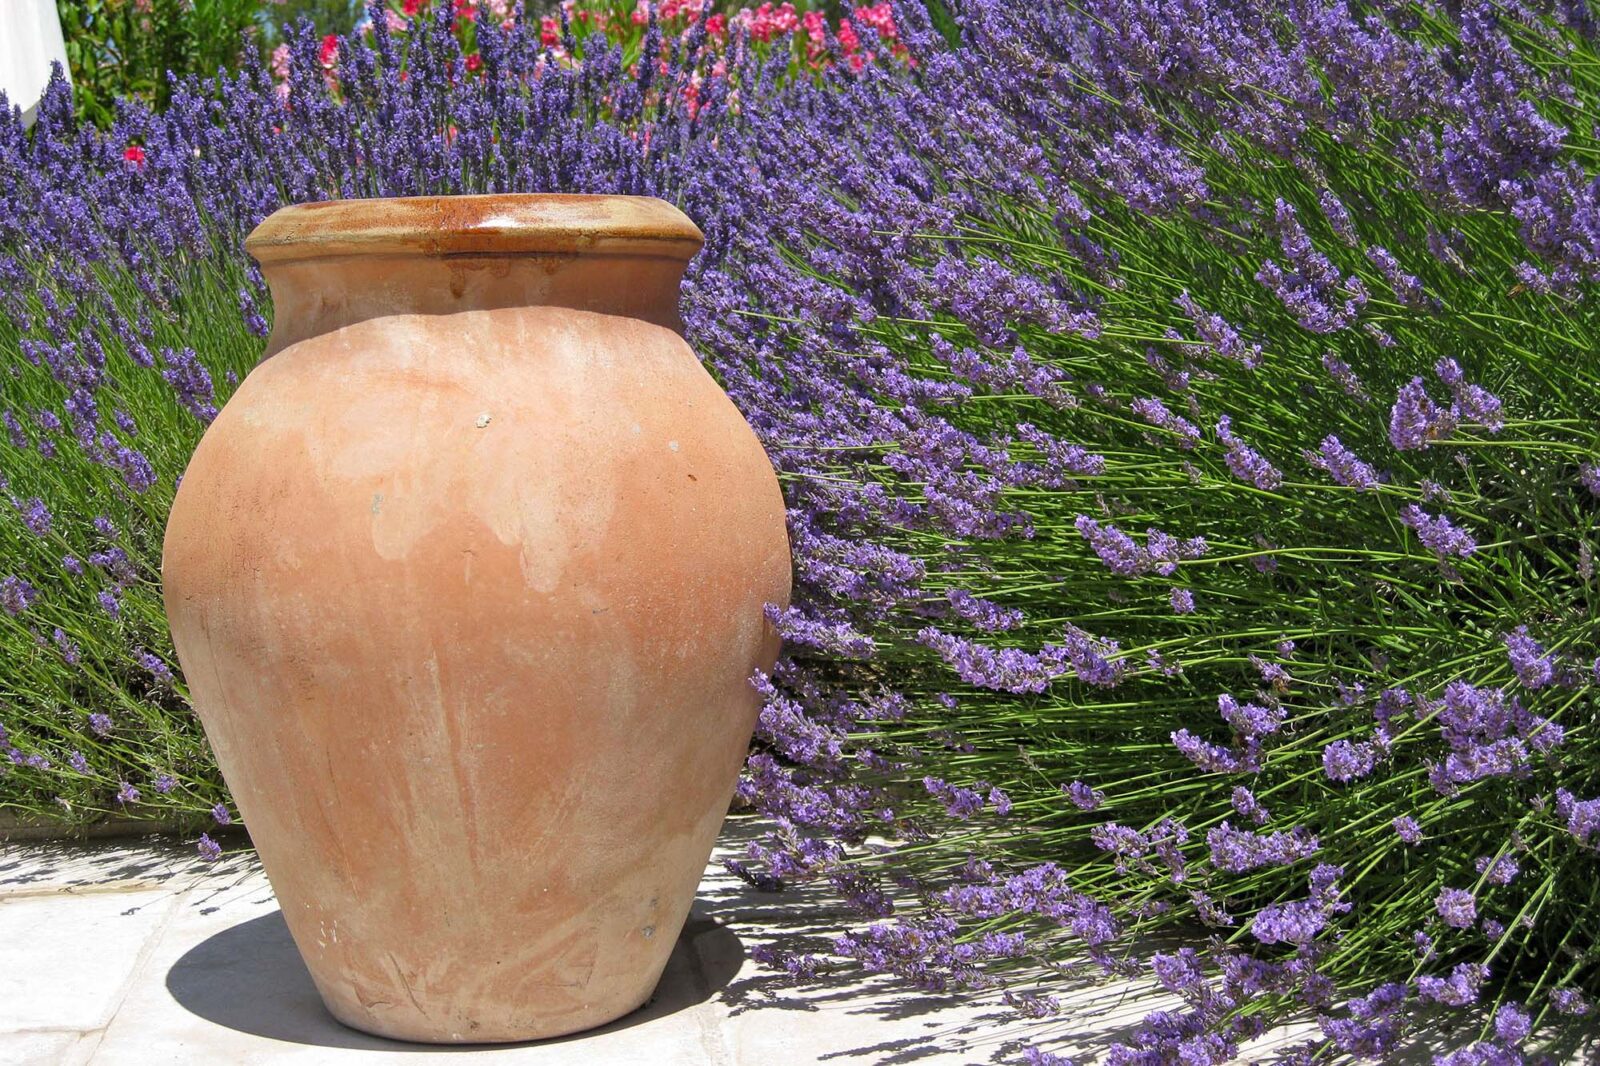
(498, 224)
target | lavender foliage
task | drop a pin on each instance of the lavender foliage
(1271, 264)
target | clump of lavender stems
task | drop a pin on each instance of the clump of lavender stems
(1343, 745)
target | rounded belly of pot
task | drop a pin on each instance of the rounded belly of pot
(467, 605)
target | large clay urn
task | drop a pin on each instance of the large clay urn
(467, 583)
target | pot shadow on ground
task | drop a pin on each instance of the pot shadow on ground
(250, 978)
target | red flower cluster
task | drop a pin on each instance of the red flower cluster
(765, 24)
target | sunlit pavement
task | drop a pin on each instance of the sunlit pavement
(134, 952)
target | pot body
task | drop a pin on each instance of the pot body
(467, 602)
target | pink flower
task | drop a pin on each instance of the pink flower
(848, 39)
(549, 31)
(329, 55)
(684, 9)
(880, 17)
(641, 12)
(785, 18)
(767, 22)
(280, 62)
(691, 95)
(134, 155)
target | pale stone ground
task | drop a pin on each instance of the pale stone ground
(134, 953)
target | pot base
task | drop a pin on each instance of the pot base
(422, 1028)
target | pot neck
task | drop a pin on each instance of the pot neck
(315, 296)
(335, 263)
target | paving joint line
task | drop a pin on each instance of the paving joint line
(90, 889)
(85, 1055)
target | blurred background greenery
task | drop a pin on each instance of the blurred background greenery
(126, 47)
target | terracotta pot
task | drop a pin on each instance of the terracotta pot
(467, 582)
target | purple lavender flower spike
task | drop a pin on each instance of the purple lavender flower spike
(1497, 871)
(1437, 533)
(960, 803)
(1532, 666)
(1249, 719)
(16, 595)
(1083, 796)
(1156, 413)
(1569, 1001)
(1346, 378)
(1582, 816)
(1459, 989)
(70, 652)
(1512, 1024)
(1215, 758)
(1308, 283)
(1473, 403)
(1297, 923)
(1457, 907)
(1407, 287)
(1218, 335)
(1343, 760)
(153, 664)
(1240, 851)
(35, 515)
(1415, 421)
(1246, 463)
(1408, 829)
(1246, 804)
(1343, 465)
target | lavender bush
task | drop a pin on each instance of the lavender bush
(1184, 411)
(130, 312)
(1185, 417)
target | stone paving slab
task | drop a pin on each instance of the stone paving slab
(137, 954)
